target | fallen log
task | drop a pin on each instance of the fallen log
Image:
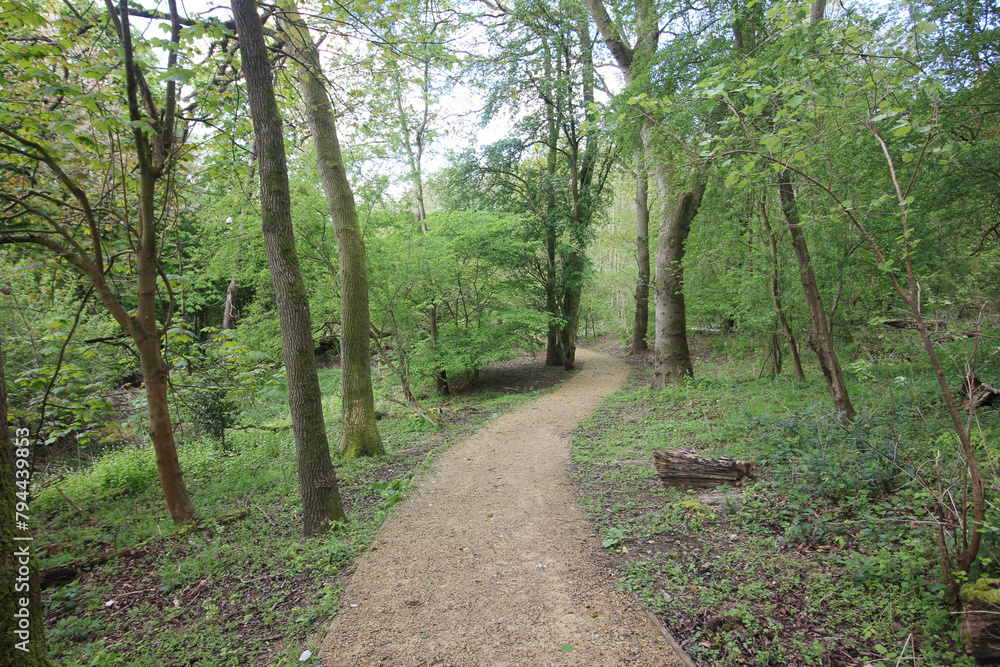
(977, 393)
(930, 325)
(677, 467)
(62, 574)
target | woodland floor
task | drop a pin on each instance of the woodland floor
(491, 561)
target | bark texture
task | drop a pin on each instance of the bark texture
(679, 467)
(672, 360)
(22, 617)
(360, 432)
(823, 345)
(786, 329)
(640, 325)
(320, 494)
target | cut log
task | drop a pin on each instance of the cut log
(678, 467)
(980, 628)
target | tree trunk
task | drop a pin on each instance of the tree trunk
(441, 376)
(155, 375)
(828, 361)
(22, 618)
(640, 327)
(229, 309)
(553, 351)
(672, 360)
(816, 11)
(228, 314)
(776, 295)
(571, 302)
(320, 495)
(360, 434)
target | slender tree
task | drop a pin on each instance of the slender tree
(321, 502)
(779, 309)
(78, 232)
(640, 324)
(360, 432)
(632, 61)
(829, 362)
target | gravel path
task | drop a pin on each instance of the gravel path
(490, 562)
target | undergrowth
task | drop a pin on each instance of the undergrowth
(829, 556)
(233, 591)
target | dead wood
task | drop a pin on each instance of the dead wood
(977, 393)
(980, 628)
(62, 574)
(678, 467)
(79, 510)
(932, 325)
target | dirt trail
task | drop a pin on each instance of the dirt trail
(490, 562)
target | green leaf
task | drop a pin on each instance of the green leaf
(907, 157)
(795, 101)
(567, 648)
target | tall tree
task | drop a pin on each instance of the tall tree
(360, 432)
(556, 168)
(76, 231)
(672, 357)
(321, 502)
(633, 62)
(640, 324)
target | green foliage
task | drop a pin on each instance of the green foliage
(834, 533)
(392, 491)
(467, 268)
(215, 380)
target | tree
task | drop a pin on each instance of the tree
(672, 358)
(853, 93)
(23, 621)
(321, 502)
(633, 61)
(556, 168)
(360, 432)
(59, 215)
(829, 362)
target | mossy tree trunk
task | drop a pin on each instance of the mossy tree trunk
(321, 502)
(640, 325)
(360, 433)
(22, 618)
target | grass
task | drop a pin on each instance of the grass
(249, 591)
(828, 557)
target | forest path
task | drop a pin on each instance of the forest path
(490, 561)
